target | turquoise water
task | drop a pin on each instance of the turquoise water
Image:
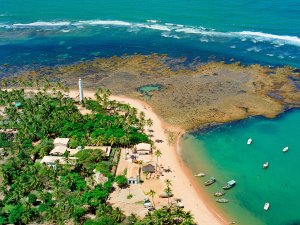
(35, 33)
(147, 89)
(222, 152)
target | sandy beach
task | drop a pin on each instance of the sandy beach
(183, 183)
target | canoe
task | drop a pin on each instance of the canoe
(222, 200)
(210, 181)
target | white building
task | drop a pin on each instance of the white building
(133, 174)
(51, 161)
(143, 149)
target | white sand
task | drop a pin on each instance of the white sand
(182, 183)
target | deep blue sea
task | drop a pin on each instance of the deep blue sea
(35, 32)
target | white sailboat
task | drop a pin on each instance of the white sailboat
(285, 149)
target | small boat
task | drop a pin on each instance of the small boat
(229, 184)
(267, 205)
(266, 165)
(249, 141)
(200, 175)
(219, 193)
(222, 200)
(210, 181)
(285, 149)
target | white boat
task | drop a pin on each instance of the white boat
(249, 141)
(200, 175)
(285, 149)
(266, 165)
(267, 205)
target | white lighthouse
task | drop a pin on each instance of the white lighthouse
(80, 90)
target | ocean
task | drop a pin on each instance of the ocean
(222, 152)
(37, 33)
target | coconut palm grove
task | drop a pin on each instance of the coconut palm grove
(32, 192)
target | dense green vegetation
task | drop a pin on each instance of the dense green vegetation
(33, 192)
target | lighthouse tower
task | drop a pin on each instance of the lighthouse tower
(80, 90)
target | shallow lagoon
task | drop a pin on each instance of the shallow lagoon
(222, 152)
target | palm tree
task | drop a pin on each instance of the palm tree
(112, 140)
(158, 154)
(168, 192)
(168, 182)
(168, 189)
(149, 122)
(152, 193)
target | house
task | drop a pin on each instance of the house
(105, 149)
(51, 161)
(61, 142)
(133, 174)
(148, 168)
(60, 150)
(143, 148)
(61, 146)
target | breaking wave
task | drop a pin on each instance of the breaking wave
(175, 30)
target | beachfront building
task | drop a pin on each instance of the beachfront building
(133, 174)
(105, 149)
(143, 149)
(148, 168)
(51, 161)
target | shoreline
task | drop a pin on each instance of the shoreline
(183, 181)
(195, 199)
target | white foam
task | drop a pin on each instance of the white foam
(154, 27)
(277, 40)
(102, 22)
(253, 49)
(152, 21)
(168, 35)
(271, 55)
(43, 24)
(232, 46)
(265, 36)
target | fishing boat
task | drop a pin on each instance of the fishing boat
(266, 206)
(219, 193)
(266, 165)
(210, 181)
(285, 149)
(249, 141)
(200, 175)
(229, 184)
(222, 200)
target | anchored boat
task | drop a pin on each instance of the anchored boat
(249, 141)
(222, 200)
(267, 206)
(200, 175)
(285, 149)
(229, 184)
(266, 165)
(210, 181)
(219, 193)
